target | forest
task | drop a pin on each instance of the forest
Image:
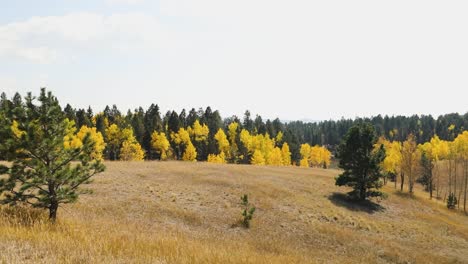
(235, 138)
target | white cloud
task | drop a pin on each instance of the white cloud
(45, 39)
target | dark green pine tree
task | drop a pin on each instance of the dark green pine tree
(82, 119)
(360, 162)
(42, 172)
(152, 122)
(192, 117)
(70, 113)
(138, 124)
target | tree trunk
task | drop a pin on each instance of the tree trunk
(362, 193)
(430, 188)
(53, 207)
(410, 182)
(450, 175)
(437, 182)
(466, 184)
(53, 211)
(402, 175)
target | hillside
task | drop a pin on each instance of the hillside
(181, 212)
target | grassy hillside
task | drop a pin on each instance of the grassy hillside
(175, 212)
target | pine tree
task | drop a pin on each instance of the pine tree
(361, 164)
(44, 171)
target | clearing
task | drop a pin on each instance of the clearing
(181, 212)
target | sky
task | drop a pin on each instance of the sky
(294, 59)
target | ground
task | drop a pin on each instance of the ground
(182, 212)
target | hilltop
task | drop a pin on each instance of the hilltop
(184, 212)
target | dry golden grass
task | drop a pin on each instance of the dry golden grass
(176, 212)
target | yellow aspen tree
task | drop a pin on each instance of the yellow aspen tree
(223, 143)
(181, 140)
(286, 154)
(198, 132)
(267, 147)
(275, 157)
(96, 137)
(131, 151)
(279, 137)
(325, 157)
(315, 156)
(410, 160)
(114, 140)
(257, 158)
(160, 144)
(439, 151)
(392, 161)
(190, 153)
(246, 139)
(232, 135)
(304, 162)
(220, 159)
(305, 154)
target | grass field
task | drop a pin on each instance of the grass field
(176, 212)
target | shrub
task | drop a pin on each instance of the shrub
(247, 212)
(452, 201)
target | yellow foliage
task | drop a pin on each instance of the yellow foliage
(304, 162)
(223, 143)
(275, 157)
(286, 154)
(220, 159)
(131, 151)
(181, 137)
(279, 137)
(461, 145)
(113, 136)
(160, 143)
(15, 129)
(96, 137)
(190, 153)
(198, 132)
(257, 158)
(232, 134)
(319, 156)
(264, 150)
(246, 139)
(305, 151)
(392, 161)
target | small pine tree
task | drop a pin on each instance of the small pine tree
(248, 211)
(452, 201)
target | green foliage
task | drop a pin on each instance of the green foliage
(426, 178)
(360, 162)
(44, 173)
(452, 201)
(248, 211)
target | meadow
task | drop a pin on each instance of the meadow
(189, 212)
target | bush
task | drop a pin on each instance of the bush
(452, 201)
(248, 211)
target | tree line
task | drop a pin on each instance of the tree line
(199, 135)
(139, 125)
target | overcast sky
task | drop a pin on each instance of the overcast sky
(288, 59)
